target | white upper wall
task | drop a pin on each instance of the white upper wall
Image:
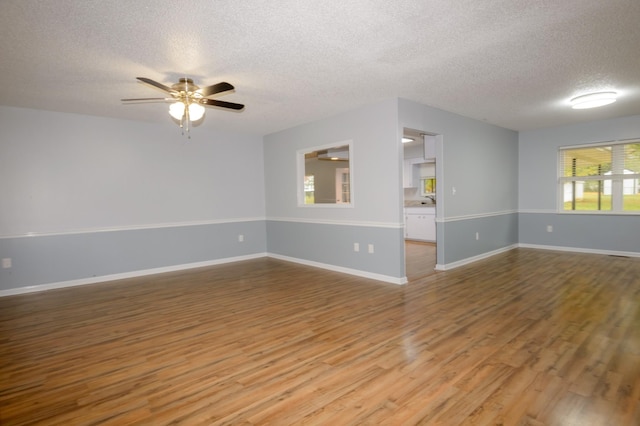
(66, 172)
(478, 159)
(375, 167)
(538, 162)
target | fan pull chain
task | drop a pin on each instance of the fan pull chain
(187, 119)
(184, 123)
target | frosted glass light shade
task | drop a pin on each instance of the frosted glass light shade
(196, 111)
(593, 100)
(177, 110)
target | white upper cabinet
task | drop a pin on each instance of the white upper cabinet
(427, 170)
(430, 147)
(410, 172)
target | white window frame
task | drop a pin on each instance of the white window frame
(300, 174)
(616, 178)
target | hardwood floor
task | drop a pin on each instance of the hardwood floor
(524, 338)
(420, 259)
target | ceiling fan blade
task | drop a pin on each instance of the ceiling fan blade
(222, 104)
(216, 88)
(156, 84)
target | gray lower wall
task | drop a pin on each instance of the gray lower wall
(496, 232)
(333, 245)
(51, 259)
(615, 233)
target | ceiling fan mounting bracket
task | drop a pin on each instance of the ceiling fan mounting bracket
(186, 90)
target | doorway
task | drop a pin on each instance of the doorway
(420, 201)
(419, 259)
(343, 188)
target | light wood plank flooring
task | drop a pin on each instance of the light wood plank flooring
(420, 259)
(527, 337)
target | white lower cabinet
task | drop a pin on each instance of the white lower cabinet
(420, 224)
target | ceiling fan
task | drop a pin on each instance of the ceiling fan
(188, 100)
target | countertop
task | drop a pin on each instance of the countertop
(418, 203)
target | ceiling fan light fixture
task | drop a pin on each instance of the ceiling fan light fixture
(196, 111)
(189, 100)
(176, 110)
(593, 100)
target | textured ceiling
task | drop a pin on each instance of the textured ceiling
(514, 63)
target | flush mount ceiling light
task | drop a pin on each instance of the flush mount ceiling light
(188, 100)
(407, 140)
(593, 100)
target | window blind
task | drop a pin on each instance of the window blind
(607, 174)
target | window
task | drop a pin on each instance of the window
(602, 177)
(427, 186)
(325, 176)
(309, 189)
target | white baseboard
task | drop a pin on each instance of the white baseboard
(582, 250)
(452, 265)
(133, 274)
(350, 271)
(141, 273)
(448, 266)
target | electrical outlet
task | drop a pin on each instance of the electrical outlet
(6, 263)
(477, 236)
(240, 238)
(370, 247)
(549, 228)
(356, 247)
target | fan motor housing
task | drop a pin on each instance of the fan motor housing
(185, 85)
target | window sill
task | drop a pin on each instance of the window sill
(599, 212)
